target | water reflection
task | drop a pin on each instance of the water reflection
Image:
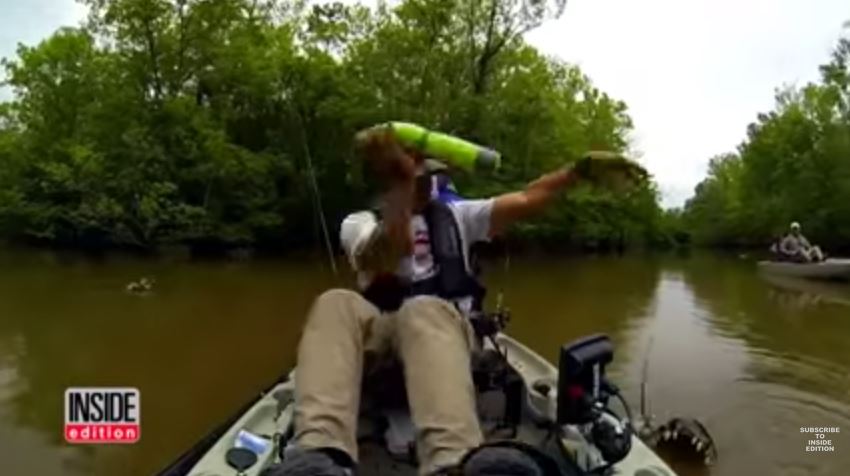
(796, 371)
(798, 292)
(210, 335)
(556, 301)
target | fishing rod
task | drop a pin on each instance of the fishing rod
(316, 194)
(645, 417)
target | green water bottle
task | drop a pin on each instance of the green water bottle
(458, 152)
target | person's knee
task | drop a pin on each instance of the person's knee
(428, 305)
(336, 297)
(428, 311)
(337, 305)
(424, 301)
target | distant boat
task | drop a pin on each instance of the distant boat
(832, 268)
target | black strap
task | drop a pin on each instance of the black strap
(240, 459)
(453, 278)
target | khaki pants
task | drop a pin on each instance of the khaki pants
(813, 254)
(433, 342)
(808, 255)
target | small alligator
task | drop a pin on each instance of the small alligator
(142, 286)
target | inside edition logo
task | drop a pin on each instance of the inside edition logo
(102, 415)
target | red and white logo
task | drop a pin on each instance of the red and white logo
(102, 415)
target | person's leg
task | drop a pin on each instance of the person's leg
(434, 342)
(810, 255)
(817, 254)
(329, 371)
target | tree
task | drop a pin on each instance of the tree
(793, 165)
(208, 122)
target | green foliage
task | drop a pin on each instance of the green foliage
(794, 165)
(201, 121)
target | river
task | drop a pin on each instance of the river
(754, 359)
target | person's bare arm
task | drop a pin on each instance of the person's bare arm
(391, 239)
(395, 170)
(514, 206)
(599, 168)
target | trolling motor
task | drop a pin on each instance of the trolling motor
(583, 394)
(581, 369)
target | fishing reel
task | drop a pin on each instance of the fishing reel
(583, 395)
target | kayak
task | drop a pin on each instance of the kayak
(258, 436)
(831, 268)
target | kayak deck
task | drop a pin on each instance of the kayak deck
(271, 417)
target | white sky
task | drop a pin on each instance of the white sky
(694, 73)
(29, 21)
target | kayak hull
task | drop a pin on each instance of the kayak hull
(829, 269)
(272, 415)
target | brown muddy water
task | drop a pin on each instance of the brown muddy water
(755, 357)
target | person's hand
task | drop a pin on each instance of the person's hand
(395, 168)
(397, 210)
(609, 170)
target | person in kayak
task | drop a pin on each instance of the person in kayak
(795, 247)
(416, 290)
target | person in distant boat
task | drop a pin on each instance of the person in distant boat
(795, 247)
(416, 292)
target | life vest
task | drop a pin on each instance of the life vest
(444, 190)
(452, 280)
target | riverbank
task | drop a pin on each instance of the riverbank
(513, 244)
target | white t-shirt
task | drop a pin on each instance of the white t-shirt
(473, 219)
